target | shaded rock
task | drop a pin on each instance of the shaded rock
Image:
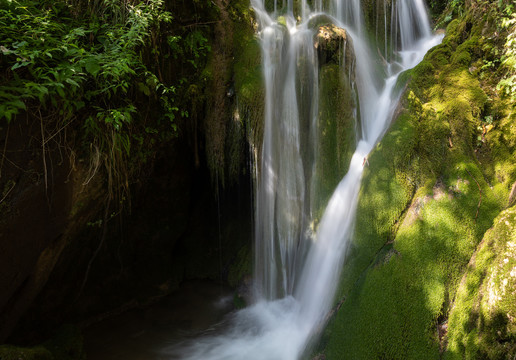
(44, 206)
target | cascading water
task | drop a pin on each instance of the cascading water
(296, 272)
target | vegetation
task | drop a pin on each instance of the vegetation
(86, 66)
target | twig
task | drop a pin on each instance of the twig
(204, 23)
(6, 195)
(97, 250)
(58, 131)
(5, 149)
(480, 190)
(43, 142)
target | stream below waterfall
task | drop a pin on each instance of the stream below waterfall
(145, 333)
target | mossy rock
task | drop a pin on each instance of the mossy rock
(430, 191)
(248, 78)
(8, 352)
(482, 322)
(332, 43)
(67, 344)
(419, 220)
(337, 126)
(409, 251)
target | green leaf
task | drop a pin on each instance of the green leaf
(60, 91)
(20, 44)
(19, 104)
(19, 65)
(144, 89)
(72, 82)
(92, 66)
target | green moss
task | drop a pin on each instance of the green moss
(67, 344)
(482, 322)
(392, 307)
(402, 81)
(421, 76)
(461, 58)
(247, 77)
(440, 55)
(336, 128)
(455, 32)
(8, 352)
(241, 267)
(469, 50)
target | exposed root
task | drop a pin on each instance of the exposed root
(94, 164)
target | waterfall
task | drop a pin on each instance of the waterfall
(297, 270)
(280, 200)
(349, 12)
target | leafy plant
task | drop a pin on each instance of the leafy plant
(62, 67)
(508, 60)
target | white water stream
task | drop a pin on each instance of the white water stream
(296, 272)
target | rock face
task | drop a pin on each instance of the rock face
(337, 123)
(43, 205)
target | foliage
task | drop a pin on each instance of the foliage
(437, 7)
(53, 57)
(88, 70)
(507, 84)
(453, 9)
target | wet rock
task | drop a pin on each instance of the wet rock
(334, 45)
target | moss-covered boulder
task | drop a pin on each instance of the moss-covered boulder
(482, 323)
